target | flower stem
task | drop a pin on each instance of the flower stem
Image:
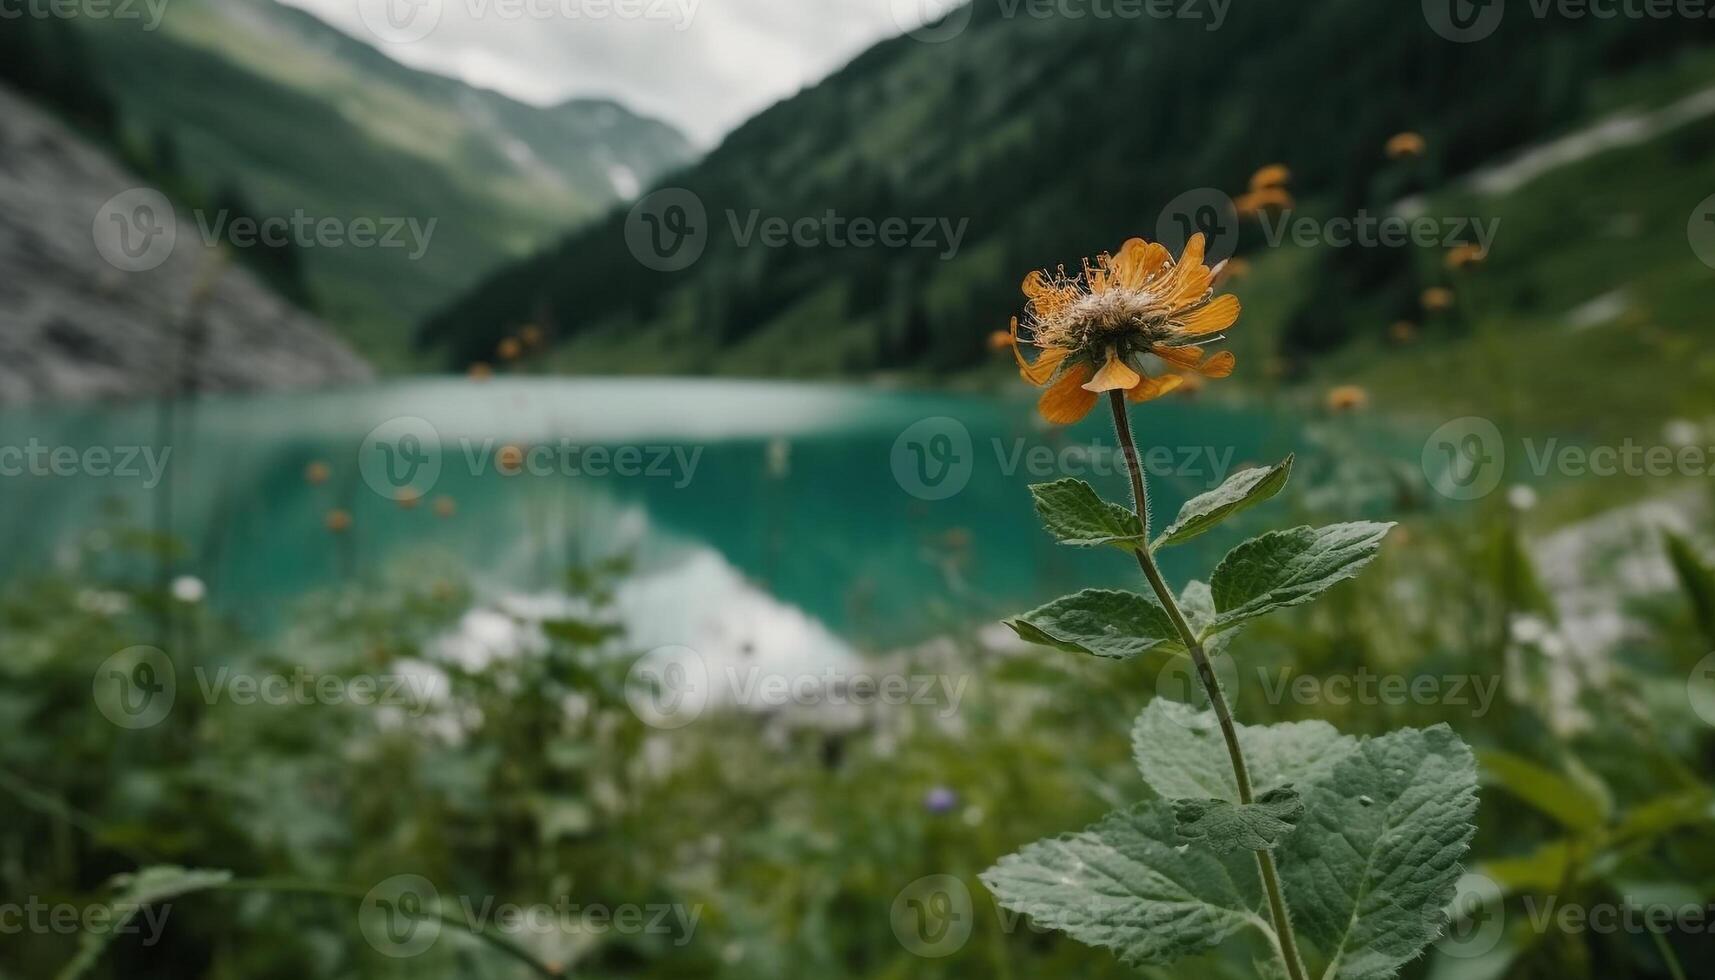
(1288, 945)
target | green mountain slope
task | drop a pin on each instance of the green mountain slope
(1050, 137)
(291, 115)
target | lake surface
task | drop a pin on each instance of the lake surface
(806, 514)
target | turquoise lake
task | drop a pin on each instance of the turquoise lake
(878, 516)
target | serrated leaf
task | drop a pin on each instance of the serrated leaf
(1181, 753)
(1241, 490)
(1226, 827)
(1075, 514)
(1100, 622)
(1287, 568)
(132, 892)
(1126, 884)
(1376, 859)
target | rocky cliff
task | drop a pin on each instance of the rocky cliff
(97, 279)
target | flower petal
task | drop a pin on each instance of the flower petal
(1219, 366)
(1068, 401)
(1150, 388)
(1179, 357)
(1138, 260)
(1116, 375)
(1046, 363)
(1215, 316)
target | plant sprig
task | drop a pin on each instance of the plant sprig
(1355, 843)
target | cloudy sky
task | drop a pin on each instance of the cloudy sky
(704, 65)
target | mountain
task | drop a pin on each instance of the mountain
(1026, 141)
(75, 325)
(256, 102)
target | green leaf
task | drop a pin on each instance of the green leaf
(1101, 622)
(1127, 884)
(1073, 512)
(1287, 568)
(1241, 490)
(1696, 579)
(1376, 859)
(1198, 605)
(1182, 754)
(1557, 796)
(133, 891)
(1227, 827)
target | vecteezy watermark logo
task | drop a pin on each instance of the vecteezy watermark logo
(400, 917)
(668, 687)
(932, 21)
(1366, 230)
(933, 458)
(135, 688)
(933, 917)
(1700, 689)
(36, 917)
(1476, 918)
(300, 229)
(1464, 21)
(135, 231)
(148, 11)
(1465, 459)
(1205, 210)
(1701, 231)
(401, 458)
(668, 229)
(36, 458)
(400, 21)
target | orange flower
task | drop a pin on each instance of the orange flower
(1405, 145)
(1273, 175)
(1437, 299)
(1263, 199)
(1465, 256)
(1403, 332)
(509, 349)
(532, 336)
(338, 521)
(1347, 398)
(445, 507)
(317, 473)
(509, 460)
(480, 371)
(1093, 330)
(1000, 340)
(407, 499)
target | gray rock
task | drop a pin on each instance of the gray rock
(76, 326)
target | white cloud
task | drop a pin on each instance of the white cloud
(704, 65)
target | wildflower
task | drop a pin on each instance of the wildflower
(509, 349)
(317, 473)
(1269, 199)
(338, 521)
(407, 499)
(531, 335)
(189, 589)
(1521, 497)
(1000, 340)
(1465, 256)
(509, 460)
(940, 800)
(1437, 299)
(480, 371)
(1273, 175)
(1402, 332)
(1347, 398)
(1094, 329)
(1405, 145)
(445, 507)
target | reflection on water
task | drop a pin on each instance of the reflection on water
(787, 515)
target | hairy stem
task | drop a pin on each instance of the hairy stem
(1206, 673)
